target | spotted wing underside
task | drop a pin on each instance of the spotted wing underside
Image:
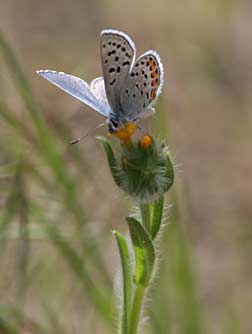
(143, 85)
(117, 54)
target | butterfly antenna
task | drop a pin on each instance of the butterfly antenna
(91, 132)
(139, 127)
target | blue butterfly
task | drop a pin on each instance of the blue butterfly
(128, 88)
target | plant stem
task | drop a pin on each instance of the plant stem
(136, 309)
(146, 218)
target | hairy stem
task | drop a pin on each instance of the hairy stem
(136, 309)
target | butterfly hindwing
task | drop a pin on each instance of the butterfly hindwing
(76, 87)
(117, 54)
(143, 85)
(98, 89)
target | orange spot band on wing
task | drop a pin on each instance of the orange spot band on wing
(153, 94)
(154, 83)
(152, 67)
(154, 75)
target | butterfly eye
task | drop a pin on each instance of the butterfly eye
(113, 125)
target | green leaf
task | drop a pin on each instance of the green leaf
(144, 252)
(156, 217)
(113, 163)
(126, 271)
(146, 216)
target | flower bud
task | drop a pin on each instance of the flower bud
(143, 169)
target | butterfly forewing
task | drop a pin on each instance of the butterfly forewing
(143, 85)
(76, 87)
(117, 54)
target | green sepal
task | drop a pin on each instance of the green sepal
(114, 166)
(156, 216)
(169, 172)
(127, 284)
(144, 252)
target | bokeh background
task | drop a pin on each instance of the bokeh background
(58, 204)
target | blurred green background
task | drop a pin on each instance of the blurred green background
(59, 266)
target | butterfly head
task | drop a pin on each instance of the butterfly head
(120, 130)
(113, 125)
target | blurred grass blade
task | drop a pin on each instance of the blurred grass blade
(161, 119)
(53, 318)
(102, 301)
(23, 246)
(5, 327)
(18, 76)
(183, 282)
(46, 141)
(16, 321)
(144, 252)
(8, 213)
(127, 283)
(156, 216)
(23, 254)
(13, 121)
(49, 151)
(6, 218)
(232, 322)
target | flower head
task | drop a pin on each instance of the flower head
(143, 168)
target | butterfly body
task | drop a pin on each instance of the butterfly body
(128, 88)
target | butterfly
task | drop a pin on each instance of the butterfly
(128, 88)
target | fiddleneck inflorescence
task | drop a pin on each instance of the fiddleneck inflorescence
(142, 169)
